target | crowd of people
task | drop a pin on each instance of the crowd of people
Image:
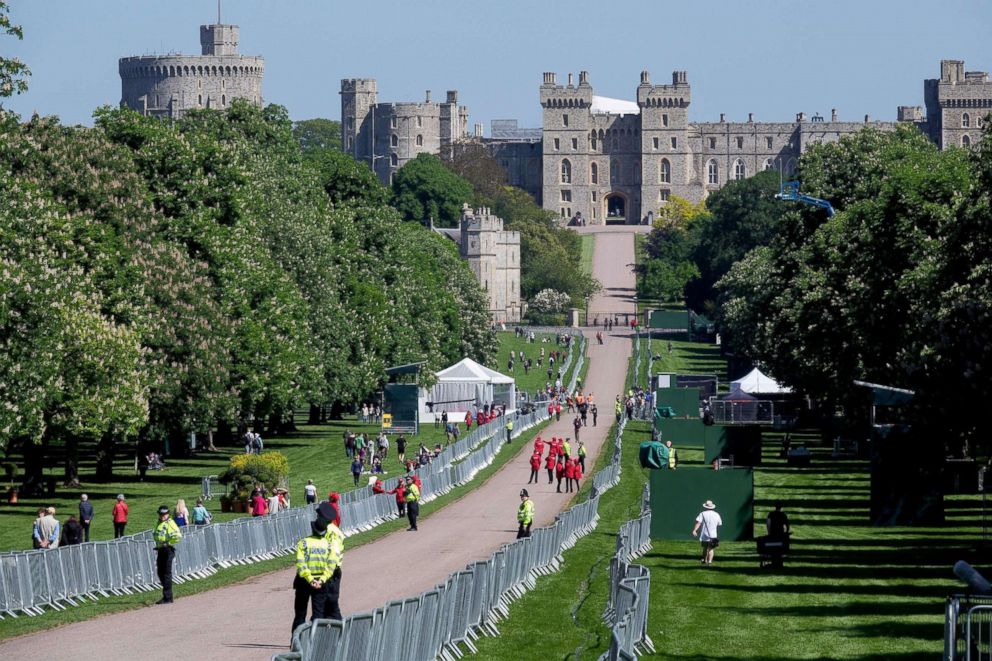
(564, 462)
(370, 414)
(637, 399)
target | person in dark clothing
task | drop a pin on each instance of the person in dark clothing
(72, 532)
(595, 414)
(777, 523)
(85, 515)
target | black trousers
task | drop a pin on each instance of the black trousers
(401, 508)
(119, 529)
(551, 475)
(323, 602)
(166, 554)
(524, 530)
(533, 476)
(412, 512)
(86, 530)
(582, 462)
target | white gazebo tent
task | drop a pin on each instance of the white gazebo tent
(467, 385)
(757, 383)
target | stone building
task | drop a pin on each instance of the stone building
(388, 135)
(169, 85)
(494, 257)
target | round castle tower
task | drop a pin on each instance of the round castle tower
(169, 85)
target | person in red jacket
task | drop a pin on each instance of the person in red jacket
(468, 421)
(560, 471)
(334, 513)
(557, 411)
(569, 475)
(377, 487)
(400, 500)
(577, 474)
(535, 466)
(550, 465)
(551, 409)
(120, 516)
(539, 445)
(480, 418)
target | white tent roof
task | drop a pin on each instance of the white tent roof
(467, 370)
(757, 382)
(604, 104)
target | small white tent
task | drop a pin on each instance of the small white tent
(756, 383)
(467, 385)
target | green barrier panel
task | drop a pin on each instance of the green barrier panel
(682, 432)
(670, 319)
(744, 443)
(685, 401)
(677, 496)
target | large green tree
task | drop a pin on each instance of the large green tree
(13, 72)
(318, 134)
(424, 190)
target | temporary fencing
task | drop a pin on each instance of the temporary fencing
(968, 627)
(441, 622)
(630, 589)
(31, 581)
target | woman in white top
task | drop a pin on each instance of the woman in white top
(310, 491)
(707, 527)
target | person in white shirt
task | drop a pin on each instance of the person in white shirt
(310, 491)
(707, 527)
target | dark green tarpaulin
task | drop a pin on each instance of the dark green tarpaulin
(653, 455)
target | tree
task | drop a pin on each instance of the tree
(472, 162)
(318, 134)
(13, 72)
(425, 189)
(346, 180)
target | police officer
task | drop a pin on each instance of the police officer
(318, 573)
(412, 496)
(509, 429)
(166, 536)
(525, 514)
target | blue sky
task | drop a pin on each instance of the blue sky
(772, 58)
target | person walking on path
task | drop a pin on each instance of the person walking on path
(401, 447)
(549, 464)
(539, 445)
(201, 516)
(412, 497)
(310, 492)
(582, 455)
(577, 474)
(525, 514)
(557, 410)
(85, 515)
(356, 470)
(566, 449)
(317, 564)
(166, 536)
(707, 527)
(119, 514)
(577, 425)
(595, 414)
(535, 467)
(560, 472)
(569, 475)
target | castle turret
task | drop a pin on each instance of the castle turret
(494, 257)
(358, 97)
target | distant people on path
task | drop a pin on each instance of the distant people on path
(119, 514)
(569, 474)
(577, 473)
(560, 471)
(707, 527)
(181, 513)
(85, 515)
(535, 467)
(72, 532)
(310, 493)
(274, 506)
(525, 514)
(201, 516)
(577, 425)
(582, 455)
(356, 470)
(412, 497)
(595, 414)
(166, 535)
(549, 464)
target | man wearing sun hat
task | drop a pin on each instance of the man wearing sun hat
(707, 527)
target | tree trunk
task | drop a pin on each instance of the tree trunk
(210, 441)
(315, 412)
(71, 461)
(224, 433)
(105, 451)
(34, 466)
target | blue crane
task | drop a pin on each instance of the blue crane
(790, 192)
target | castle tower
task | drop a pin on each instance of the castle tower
(358, 97)
(169, 85)
(568, 146)
(666, 161)
(957, 104)
(494, 257)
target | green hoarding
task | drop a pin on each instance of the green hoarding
(677, 497)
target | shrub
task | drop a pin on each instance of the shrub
(269, 469)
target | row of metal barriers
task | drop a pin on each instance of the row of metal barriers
(630, 589)
(54, 579)
(968, 628)
(446, 621)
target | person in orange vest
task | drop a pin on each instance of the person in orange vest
(569, 474)
(550, 465)
(560, 472)
(577, 473)
(535, 466)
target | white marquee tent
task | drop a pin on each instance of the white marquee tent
(757, 383)
(467, 385)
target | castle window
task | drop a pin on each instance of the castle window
(394, 160)
(768, 164)
(223, 83)
(392, 122)
(712, 143)
(592, 143)
(616, 144)
(199, 99)
(594, 196)
(768, 143)
(740, 170)
(420, 122)
(740, 143)
(664, 120)
(965, 141)
(564, 120)
(575, 144)
(199, 84)
(675, 142)
(663, 195)
(655, 143)
(594, 174)
(566, 171)
(566, 196)
(223, 99)
(712, 173)
(394, 140)
(614, 172)
(665, 172)
(557, 144)
(420, 141)
(965, 121)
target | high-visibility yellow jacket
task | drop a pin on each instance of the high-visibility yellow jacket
(672, 458)
(412, 493)
(582, 450)
(525, 513)
(336, 539)
(567, 448)
(166, 533)
(316, 559)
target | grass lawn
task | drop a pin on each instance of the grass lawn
(585, 259)
(537, 377)
(848, 590)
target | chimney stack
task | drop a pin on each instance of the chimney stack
(723, 117)
(645, 77)
(583, 78)
(833, 114)
(750, 118)
(452, 96)
(800, 117)
(570, 80)
(428, 96)
(478, 130)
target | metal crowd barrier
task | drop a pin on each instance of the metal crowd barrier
(968, 628)
(630, 589)
(31, 581)
(211, 487)
(441, 622)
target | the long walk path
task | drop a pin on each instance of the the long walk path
(251, 620)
